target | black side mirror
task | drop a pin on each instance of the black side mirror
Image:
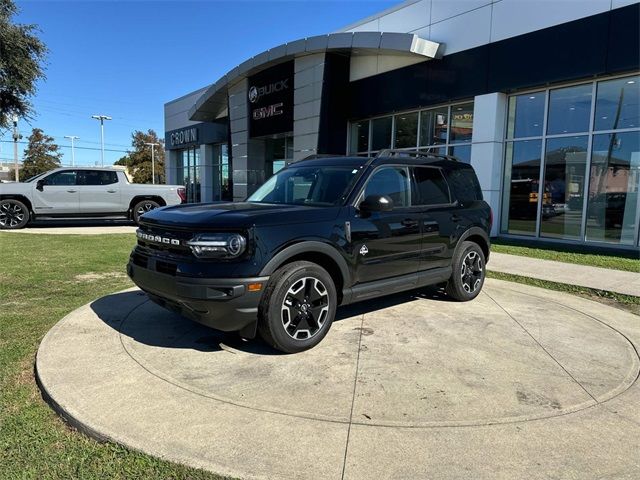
(40, 185)
(376, 203)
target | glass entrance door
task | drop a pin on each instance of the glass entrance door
(189, 173)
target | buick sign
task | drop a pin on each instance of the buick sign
(255, 93)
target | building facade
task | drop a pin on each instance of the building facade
(541, 97)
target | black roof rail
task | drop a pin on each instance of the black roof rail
(389, 152)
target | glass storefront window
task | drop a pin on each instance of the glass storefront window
(406, 130)
(189, 173)
(461, 123)
(381, 133)
(618, 104)
(434, 125)
(565, 164)
(360, 136)
(461, 152)
(521, 187)
(569, 109)
(526, 115)
(613, 188)
(591, 180)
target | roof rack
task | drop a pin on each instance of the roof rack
(389, 152)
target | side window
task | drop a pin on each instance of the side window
(432, 188)
(64, 178)
(392, 182)
(464, 183)
(97, 177)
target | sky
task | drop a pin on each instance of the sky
(126, 59)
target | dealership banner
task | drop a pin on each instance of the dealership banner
(270, 101)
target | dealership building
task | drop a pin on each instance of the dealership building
(541, 97)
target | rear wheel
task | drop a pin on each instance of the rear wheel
(143, 207)
(467, 277)
(298, 307)
(13, 214)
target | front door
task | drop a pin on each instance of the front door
(387, 244)
(57, 194)
(99, 192)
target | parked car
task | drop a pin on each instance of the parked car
(81, 193)
(320, 233)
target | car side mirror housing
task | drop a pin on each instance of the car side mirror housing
(376, 203)
(40, 185)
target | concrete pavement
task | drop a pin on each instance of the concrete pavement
(520, 383)
(627, 283)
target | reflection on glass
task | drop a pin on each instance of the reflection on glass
(526, 115)
(433, 126)
(613, 188)
(461, 152)
(359, 137)
(569, 109)
(521, 185)
(618, 104)
(406, 130)
(565, 164)
(461, 123)
(436, 150)
(381, 133)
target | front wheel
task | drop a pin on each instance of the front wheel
(143, 207)
(298, 307)
(468, 272)
(13, 214)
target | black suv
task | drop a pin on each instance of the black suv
(320, 233)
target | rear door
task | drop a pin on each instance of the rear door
(433, 197)
(58, 194)
(387, 244)
(99, 192)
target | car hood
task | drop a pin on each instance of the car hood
(15, 187)
(236, 215)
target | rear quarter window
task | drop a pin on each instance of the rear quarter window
(464, 184)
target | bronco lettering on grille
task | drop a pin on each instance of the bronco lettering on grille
(157, 238)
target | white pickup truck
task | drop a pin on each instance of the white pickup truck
(81, 192)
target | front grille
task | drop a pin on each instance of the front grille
(166, 233)
(139, 260)
(166, 268)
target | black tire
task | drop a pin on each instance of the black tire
(467, 277)
(143, 207)
(13, 214)
(300, 323)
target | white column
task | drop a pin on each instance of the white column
(171, 166)
(487, 150)
(207, 169)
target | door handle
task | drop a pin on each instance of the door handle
(72, 191)
(409, 222)
(112, 191)
(455, 218)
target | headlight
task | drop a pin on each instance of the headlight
(218, 245)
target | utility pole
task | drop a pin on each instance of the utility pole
(102, 118)
(73, 151)
(153, 161)
(16, 137)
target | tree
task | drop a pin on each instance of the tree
(138, 161)
(40, 156)
(22, 55)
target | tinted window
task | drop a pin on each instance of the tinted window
(569, 109)
(96, 177)
(432, 189)
(464, 185)
(392, 182)
(526, 114)
(381, 133)
(65, 178)
(406, 130)
(618, 104)
(461, 123)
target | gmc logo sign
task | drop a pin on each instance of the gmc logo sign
(266, 112)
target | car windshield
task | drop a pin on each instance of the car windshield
(34, 177)
(316, 186)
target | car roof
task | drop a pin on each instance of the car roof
(330, 161)
(385, 157)
(84, 167)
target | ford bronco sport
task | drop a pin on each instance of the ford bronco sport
(320, 233)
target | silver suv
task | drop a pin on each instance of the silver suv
(80, 193)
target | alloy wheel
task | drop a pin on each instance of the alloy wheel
(305, 308)
(11, 215)
(471, 272)
(145, 207)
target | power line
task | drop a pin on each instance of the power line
(78, 147)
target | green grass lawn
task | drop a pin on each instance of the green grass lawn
(564, 254)
(42, 278)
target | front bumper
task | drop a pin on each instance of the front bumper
(222, 303)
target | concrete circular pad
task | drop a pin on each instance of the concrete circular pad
(407, 386)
